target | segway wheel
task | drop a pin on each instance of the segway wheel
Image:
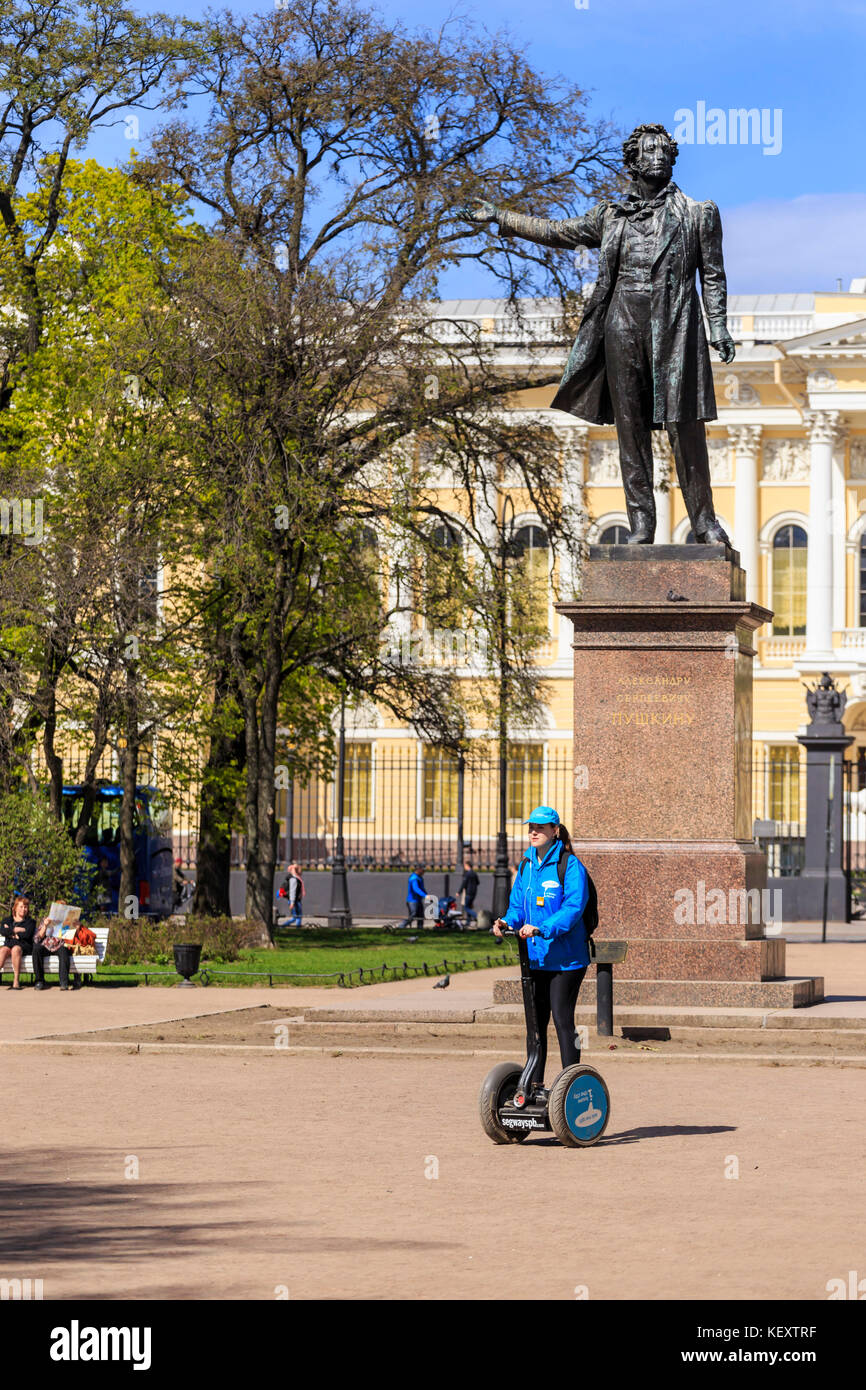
(579, 1107)
(498, 1087)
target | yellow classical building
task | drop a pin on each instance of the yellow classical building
(788, 463)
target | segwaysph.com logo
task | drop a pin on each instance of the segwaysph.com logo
(77, 1343)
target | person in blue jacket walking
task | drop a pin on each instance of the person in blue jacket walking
(550, 914)
(415, 895)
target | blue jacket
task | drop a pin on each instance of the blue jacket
(416, 888)
(538, 899)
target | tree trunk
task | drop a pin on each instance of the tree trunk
(88, 783)
(129, 780)
(53, 762)
(261, 821)
(216, 812)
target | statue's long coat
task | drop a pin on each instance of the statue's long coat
(689, 240)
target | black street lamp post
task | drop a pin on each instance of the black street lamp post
(340, 914)
(501, 872)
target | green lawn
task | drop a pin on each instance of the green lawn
(317, 956)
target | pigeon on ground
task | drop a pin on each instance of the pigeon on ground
(443, 984)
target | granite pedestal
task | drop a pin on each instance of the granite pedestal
(662, 813)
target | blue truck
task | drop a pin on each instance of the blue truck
(152, 839)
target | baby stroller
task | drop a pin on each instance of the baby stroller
(449, 916)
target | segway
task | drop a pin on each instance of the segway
(577, 1106)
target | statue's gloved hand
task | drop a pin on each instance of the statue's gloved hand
(724, 345)
(477, 210)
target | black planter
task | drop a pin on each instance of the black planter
(187, 958)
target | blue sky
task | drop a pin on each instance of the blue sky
(795, 218)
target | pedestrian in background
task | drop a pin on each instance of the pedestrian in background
(469, 888)
(415, 895)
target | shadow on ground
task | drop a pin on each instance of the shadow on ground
(631, 1136)
(49, 1225)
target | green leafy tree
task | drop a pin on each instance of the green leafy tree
(37, 856)
(66, 69)
(332, 163)
(85, 642)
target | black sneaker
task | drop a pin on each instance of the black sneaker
(39, 985)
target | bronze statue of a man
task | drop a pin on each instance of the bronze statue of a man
(640, 359)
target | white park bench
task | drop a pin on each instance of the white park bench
(78, 965)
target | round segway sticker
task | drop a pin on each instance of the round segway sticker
(586, 1107)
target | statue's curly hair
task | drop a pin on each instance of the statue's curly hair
(631, 145)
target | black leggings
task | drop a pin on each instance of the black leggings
(556, 992)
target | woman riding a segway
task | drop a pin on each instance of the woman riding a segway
(547, 908)
(550, 895)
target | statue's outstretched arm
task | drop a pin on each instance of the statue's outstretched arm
(565, 233)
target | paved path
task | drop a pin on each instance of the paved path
(350, 1178)
(247, 1176)
(33, 1014)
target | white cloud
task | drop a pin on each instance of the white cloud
(804, 243)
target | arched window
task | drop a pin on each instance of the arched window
(614, 535)
(361, 569)
(529, 586)
(367, 546)
(530, 547)
(444, 609)
(789, 581)
(444, 537)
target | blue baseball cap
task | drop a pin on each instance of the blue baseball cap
(542, 815)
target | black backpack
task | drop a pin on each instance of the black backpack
(590, 912)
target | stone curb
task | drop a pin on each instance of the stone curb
(228, 1050)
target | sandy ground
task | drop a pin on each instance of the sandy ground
(211, 1176)
(310, 1173)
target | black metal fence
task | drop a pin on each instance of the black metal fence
(854, 831)
(779, 809)
(423, 807)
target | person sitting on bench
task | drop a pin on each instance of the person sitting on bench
(41, 950)
(17, 933)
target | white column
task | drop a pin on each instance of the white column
(662, 487)
(747, 444)
(399, 596)
(487, 493)
(574, 444)
(840, 528)
(573, 441)
(823, 427)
